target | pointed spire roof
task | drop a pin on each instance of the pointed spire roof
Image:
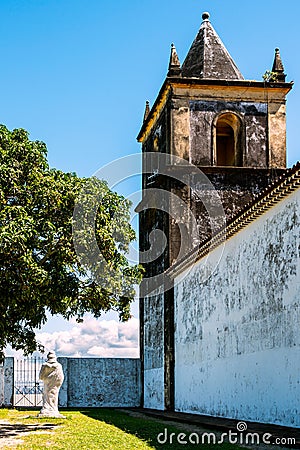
(174, 64)
(147, 110)
(278, 67)
(208, 57)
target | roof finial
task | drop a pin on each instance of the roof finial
(174, 64)
(278, 68)
(147, 110)
(205, 16)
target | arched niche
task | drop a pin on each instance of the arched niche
(227, 140)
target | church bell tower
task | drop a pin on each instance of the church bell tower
(214, 117)
(231, 128)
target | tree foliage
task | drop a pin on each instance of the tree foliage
(39, 268)
(270, 76)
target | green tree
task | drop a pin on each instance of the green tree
(39, 269)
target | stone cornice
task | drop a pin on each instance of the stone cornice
(171, 83)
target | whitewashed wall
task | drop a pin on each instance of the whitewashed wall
(97, 382)
(7, 382)
(154, 352)
(237, 338)
(89, 382)
(1, 385)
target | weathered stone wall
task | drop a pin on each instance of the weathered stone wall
(180, 125)
(89, 382)
(237, 334)
(97, 382)
(254, 121)
(152, 307)
(154, 352)
(277, 133)
(1, 384)
(152, 218)
(7, 382)
(235, 187)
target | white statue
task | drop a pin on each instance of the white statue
(52, 375)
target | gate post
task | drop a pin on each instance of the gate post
(7, 382)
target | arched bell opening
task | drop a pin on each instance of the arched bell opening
(227, 140)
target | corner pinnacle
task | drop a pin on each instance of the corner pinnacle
(147, 110)
(278, 68)
(174, 64)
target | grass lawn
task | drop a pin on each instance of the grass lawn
(88, 429)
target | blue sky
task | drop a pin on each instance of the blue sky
(76, 74)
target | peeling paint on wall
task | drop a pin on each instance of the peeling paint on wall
(237, 338)
(7, 382)
(1, 385)
(154, 352)
(254, 116)
(100, 382)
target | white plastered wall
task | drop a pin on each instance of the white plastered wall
(237, 338)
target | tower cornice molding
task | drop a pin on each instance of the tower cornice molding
(265, 91)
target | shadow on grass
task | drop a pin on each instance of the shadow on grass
(8, 430)
(148, 429)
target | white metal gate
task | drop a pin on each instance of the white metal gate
(28, 389)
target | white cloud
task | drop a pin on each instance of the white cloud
(95, 338)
